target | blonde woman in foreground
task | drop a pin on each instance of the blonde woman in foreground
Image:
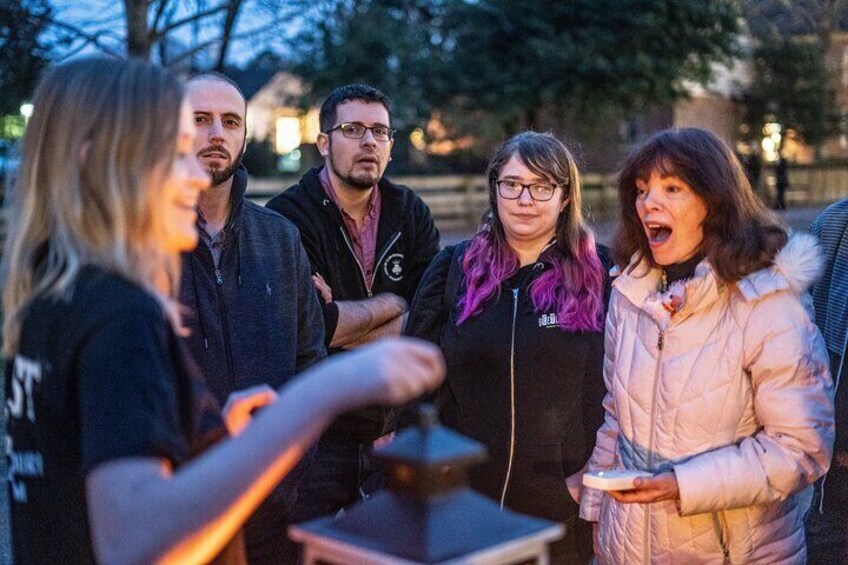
(117, 453)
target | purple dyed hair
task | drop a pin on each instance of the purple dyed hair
(572, 283)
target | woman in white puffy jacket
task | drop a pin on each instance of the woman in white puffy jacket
(717, 378)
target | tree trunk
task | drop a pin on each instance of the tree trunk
(226, 33)
(828, 16)
(827, 21)
(138, 38)
(531, 118)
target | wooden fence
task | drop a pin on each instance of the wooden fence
(810, 185)
(459, 201)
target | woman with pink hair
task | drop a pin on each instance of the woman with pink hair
(518, 312)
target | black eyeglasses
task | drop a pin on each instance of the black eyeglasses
(539, 191)
(357, 131)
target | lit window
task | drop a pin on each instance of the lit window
(288, 135)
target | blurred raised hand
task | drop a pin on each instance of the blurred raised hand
(240, 405)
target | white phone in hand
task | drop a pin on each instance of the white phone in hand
(613, 480)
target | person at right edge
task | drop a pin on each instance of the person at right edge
(719, 388)
(518, 313)
(827, 521)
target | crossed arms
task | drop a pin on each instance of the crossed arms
(363, 321)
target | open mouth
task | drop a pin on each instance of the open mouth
(367, 160)
(657, 233)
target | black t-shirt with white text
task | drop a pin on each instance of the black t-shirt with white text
(99, 375)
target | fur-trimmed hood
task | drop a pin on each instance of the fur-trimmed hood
(795, 268)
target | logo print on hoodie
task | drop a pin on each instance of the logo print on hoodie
(393, 267)
(548, 320)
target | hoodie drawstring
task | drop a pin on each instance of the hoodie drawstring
(198, 310)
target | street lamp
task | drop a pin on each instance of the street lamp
(772, 138)
(26, 112)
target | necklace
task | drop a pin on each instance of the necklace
(663, 281)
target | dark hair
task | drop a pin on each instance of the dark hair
(342, 94)
(740, 234)
(213, 75)
(572, 285)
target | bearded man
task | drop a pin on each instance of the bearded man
(253, 314)
(369, 242)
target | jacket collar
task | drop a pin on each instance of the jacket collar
(392, 213)
(795, 268)
(640, 283)
(237, 192)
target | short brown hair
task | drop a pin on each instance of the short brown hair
(740, 234)
(361, 92)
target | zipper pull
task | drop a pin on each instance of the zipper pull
(661, 340)
(515, 294)
(218, 278)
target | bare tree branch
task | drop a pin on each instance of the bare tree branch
(88, 38)
(151, 23)
(106, 19)
(188, 19)
(76, 50)
(160, 9)
(255, 31)
(138, 37)
(226, 32)
(194, 50)
(176, 61)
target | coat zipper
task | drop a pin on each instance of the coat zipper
(376, 263)
(219, 283)
(355, 258)
(660, 343)
(720, 528)
(511, 397)
(835, 393)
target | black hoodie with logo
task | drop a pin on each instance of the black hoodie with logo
(529, 391)
(407, 239)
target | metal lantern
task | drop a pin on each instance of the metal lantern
(427, 513)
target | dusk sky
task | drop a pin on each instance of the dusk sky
(107, 16)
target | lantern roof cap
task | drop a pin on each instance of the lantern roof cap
(429, 444)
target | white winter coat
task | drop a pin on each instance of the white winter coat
(737, 400)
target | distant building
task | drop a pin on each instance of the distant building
(275, 116)
(715, 106)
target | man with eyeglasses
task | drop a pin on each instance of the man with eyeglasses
(369, 242)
